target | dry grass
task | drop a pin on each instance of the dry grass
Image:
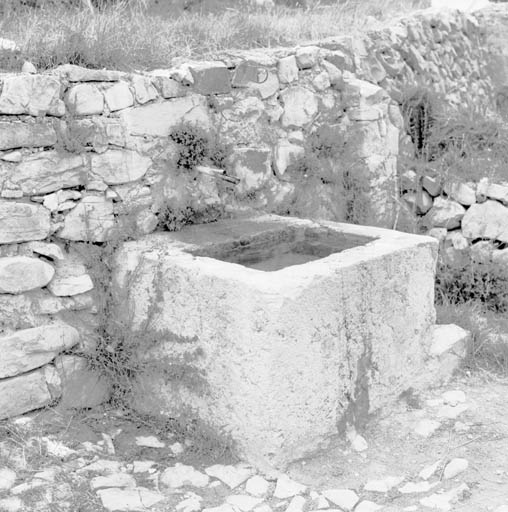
(124, 35)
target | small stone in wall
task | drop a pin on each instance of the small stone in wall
(49, 171)
(91, 220)
(300, 106)
(70, 277)
(28, 391)
(28, 94)
(210, 78)
(26, 135)
(85, 99)
(432, 185)
(321, 82)
(144, 90)
(497, 192)
(116, 166)
(19, 274)
(252, 166)
(421, 202)
(460, 192)
(256, 77)
(307, 56)
(488, 220)
(169, 87)
(334, 75)
(286, 154)
(75, 73)
(445, 213)
(21, 222)
(287, 70)
(118, 96)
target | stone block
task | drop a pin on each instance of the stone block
(210, 78)
(22, 222)
(169, 87)
(34, 95)
(307, 56)
(300, 106)
(252, 166)
(82, 387)
(28, 391)
(144, 90)
(285, 154)
(75, 73)
(85, 100)
(71, 277)
(32, 348)
(49, 171)
(91, 220)
(488, 220)
(20, 274)
(118, 96)
(445, 213)
(115, 167)
(287, 70)
(26, 135)
(461, 192)
(256, 77)
(282, 330)
(157, 119)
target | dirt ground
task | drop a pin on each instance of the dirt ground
(477, 433)
(481, 437)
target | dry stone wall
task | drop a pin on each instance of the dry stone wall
(86, 157)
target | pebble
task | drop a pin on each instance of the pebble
(57, 449)
(142, 466)
(297, 504)
(367, 506)
(243, 502)
(455, 467)
(180, 475)
(115, 480)
(426, 428)
(232, 476)
(7, 478)
(447, 411)
(149, 442)
(128, 499)
(383, 485)
(221, 508)
(428, 471)
(11, 504)
(191, 503)
(415, 487)
(445, 500)
(343, 498)
(358, 442)
(287, 488)
(454, 398)
(257, 486)
(177, 448)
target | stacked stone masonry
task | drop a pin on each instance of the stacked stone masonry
(83, 150)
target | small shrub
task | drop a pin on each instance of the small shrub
(484, 283)
(196, 146)
(173, 218)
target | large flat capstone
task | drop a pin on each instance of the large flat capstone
(277, 331)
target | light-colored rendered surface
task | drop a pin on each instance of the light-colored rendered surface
(278, 360)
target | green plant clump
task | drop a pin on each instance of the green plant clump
(196, 146)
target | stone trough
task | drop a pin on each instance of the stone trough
(278, 332)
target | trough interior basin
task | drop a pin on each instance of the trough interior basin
(280, 248)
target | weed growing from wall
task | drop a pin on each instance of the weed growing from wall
(197, 146)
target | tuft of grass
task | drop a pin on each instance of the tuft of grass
(465, 143)
(125, 35)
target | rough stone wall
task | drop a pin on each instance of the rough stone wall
(85, 155)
